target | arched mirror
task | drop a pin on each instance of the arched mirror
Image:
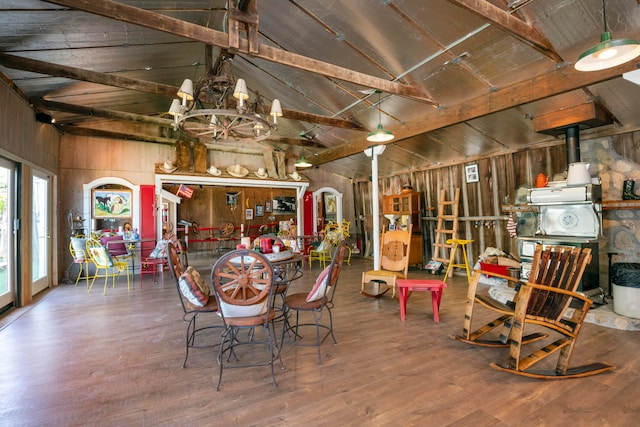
(327, 206)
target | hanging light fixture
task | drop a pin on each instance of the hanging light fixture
(206, 113)
(608, 53)
(380, 134)
(302, 163)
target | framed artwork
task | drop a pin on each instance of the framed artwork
(259, 211)
(330, 206)
(267, 206)
(248, 213)
(471, 172)
(111, 203)
(284, 205)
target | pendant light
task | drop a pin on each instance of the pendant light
(380, 134)
(302, 163)
(608, 53)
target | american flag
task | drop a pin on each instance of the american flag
(512, 227)
(184, 191)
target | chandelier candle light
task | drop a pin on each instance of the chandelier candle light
(205, 112)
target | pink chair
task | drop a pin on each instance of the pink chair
(155, 263)
(405, 286)
(153, 266)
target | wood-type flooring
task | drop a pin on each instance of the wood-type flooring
(75, 358)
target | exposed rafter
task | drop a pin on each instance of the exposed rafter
(156, 21)
(557, 82)
(99, 112)
(47, 68)
(511, 24)
(99, 133)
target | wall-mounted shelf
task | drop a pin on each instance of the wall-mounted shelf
(610, 205)
(519, 208)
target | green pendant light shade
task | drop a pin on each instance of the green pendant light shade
(608, 53)
(302, 163)
(380, 134)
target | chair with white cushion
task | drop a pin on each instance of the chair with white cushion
(242, 281)
(317, 302)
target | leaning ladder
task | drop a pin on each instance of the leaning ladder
(447, 227)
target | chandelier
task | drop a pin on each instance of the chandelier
(206, 112)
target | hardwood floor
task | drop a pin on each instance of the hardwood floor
(87, 359)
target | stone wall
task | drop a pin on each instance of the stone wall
(621, 228)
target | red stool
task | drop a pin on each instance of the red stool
(153, 266)
(420, 285)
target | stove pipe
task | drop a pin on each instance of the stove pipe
(572, 135)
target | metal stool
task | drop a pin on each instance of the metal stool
(462, 244)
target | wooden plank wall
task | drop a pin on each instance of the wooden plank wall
(500, 176)
(208, 207)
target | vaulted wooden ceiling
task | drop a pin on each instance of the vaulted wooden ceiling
(459, 79)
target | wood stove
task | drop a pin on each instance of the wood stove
(566, 215)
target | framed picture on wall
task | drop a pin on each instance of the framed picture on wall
(111, 203)
(259, 211)
(267, 206)
(330, 206)
(284, 205)
(248, 213)
(471, 172)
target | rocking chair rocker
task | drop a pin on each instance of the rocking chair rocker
(549, 299)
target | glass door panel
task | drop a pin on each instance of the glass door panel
(40, 238)
(7, 282)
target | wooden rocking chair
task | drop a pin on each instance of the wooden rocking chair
(548, 299)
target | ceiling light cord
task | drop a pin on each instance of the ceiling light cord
(380, 134)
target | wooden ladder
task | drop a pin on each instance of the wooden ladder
(447, 227)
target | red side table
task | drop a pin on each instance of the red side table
(420, 285)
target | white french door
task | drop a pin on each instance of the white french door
(7, 214)
(40, 233)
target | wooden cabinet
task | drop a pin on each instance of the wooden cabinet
(404, 210)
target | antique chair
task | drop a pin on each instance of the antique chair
(394, 262)
(191, 300)
(105, 266)
(332, 235)
(548, 299)
(78, 250)
(319, 299)
(224, 237)
(242, 282)
(344, 229)
(118, 250)
(157, 260)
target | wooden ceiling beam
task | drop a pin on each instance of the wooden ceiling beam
(511, 24)
(557, 82)
(167, 24)
(98, 112)
(100, 133)
(321, 120)
(56, 70)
